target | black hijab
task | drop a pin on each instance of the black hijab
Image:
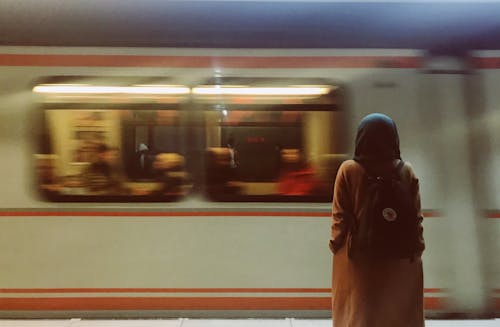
(377, 142)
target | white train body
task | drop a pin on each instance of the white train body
(200, 257)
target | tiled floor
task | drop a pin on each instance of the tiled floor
(220, 323)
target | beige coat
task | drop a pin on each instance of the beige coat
(371, 294)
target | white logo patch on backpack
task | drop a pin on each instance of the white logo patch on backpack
(389, 214)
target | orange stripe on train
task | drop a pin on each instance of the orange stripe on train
(161, 290)
(427, 214)
(181, 303)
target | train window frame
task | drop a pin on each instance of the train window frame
(47, 102)
(336, 101)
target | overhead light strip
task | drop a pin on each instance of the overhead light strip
(264, 91)
(86, 89)
(305, 90)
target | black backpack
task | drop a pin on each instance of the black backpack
(390, 228)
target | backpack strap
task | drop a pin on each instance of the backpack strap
(399, 168)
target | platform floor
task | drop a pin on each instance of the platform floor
(221, 323)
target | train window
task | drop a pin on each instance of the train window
(272, 141)
(236, 140)
(117, 142)
(114, 155)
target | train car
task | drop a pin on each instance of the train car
(197, 182)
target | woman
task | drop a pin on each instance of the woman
(371, 293)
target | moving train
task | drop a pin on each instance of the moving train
(218, 168)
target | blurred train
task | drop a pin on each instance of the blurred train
(167, 182)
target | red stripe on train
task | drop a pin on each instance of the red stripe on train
(164, 290)
(486, 63)
(160, 214)
(167, 303)
(209, 61)
(430, 214)
(181, 303)
(175, 290)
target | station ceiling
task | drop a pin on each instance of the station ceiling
(444, 26)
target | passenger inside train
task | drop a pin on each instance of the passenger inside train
(102, 176)
(221, 173)
(297, 177)
(171, 174)
(143, 164)
(46, 179)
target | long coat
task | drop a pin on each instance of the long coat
(375, 293)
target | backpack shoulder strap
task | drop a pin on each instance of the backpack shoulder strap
(400, 166)
(398, 169)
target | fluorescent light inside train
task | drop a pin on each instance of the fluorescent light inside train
(269, 91)
(88, 89)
